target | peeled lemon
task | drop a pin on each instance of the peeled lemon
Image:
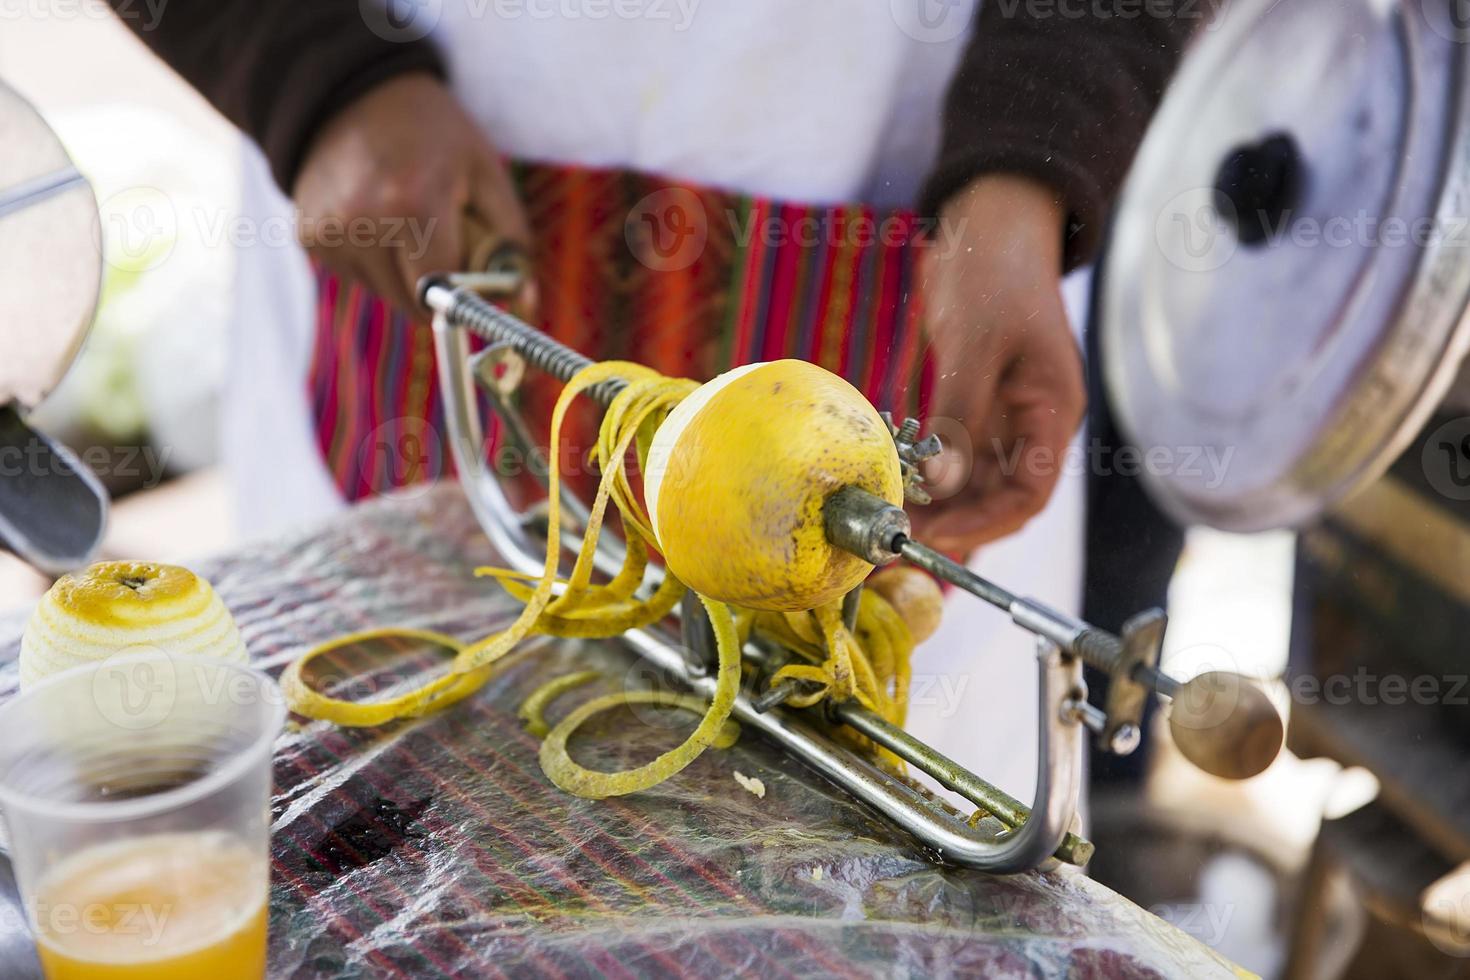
(737, 475)
(119, 606)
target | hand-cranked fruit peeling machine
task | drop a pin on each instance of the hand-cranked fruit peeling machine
(877, 532)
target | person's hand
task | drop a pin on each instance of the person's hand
(1009, 375)
(388, 183)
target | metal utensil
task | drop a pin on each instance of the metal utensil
(53, 510)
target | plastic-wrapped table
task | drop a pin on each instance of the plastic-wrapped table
(437, 847)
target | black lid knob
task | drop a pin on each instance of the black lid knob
(1257, 186)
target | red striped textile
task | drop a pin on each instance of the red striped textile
(688, 280)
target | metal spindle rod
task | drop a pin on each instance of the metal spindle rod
(1097, 647)
(877, 531)
(952, 572)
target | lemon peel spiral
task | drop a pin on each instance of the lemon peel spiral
(869, 664)
(468, 670)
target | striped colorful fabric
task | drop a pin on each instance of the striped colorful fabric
(436, 847)
(688, 280)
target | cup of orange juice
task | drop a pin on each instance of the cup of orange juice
(136, 797)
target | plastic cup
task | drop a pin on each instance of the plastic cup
(136, 797)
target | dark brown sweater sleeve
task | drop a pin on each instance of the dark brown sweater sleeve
(279, 69)
(1061, 94)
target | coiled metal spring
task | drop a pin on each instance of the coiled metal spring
(494, 325)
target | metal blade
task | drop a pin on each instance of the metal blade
(53, 509)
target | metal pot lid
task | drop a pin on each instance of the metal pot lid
(50, 256)
(1288, 268)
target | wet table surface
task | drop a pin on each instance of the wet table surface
(437, 848)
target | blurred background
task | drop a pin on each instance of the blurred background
(164, 307)
(1226, 862)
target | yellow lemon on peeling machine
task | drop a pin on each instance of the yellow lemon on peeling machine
(737, 476)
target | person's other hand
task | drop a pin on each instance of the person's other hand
(1007, 366)
(388, 183)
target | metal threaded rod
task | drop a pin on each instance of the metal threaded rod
(494, 325)
(1104, 651)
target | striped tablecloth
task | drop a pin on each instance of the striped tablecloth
(437, 848)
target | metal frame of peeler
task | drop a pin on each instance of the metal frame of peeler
(1234, 744)
(1027, 838)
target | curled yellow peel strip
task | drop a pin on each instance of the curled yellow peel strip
(614, 620)
(466, 673)
(891, 642)
(581, 781)
(809, 673)
(305, 700)
(534, 707)
(873, 664)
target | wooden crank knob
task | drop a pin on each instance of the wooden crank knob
(1226, 725)
(914, 596)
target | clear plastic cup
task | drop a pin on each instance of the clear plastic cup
(136, 797)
